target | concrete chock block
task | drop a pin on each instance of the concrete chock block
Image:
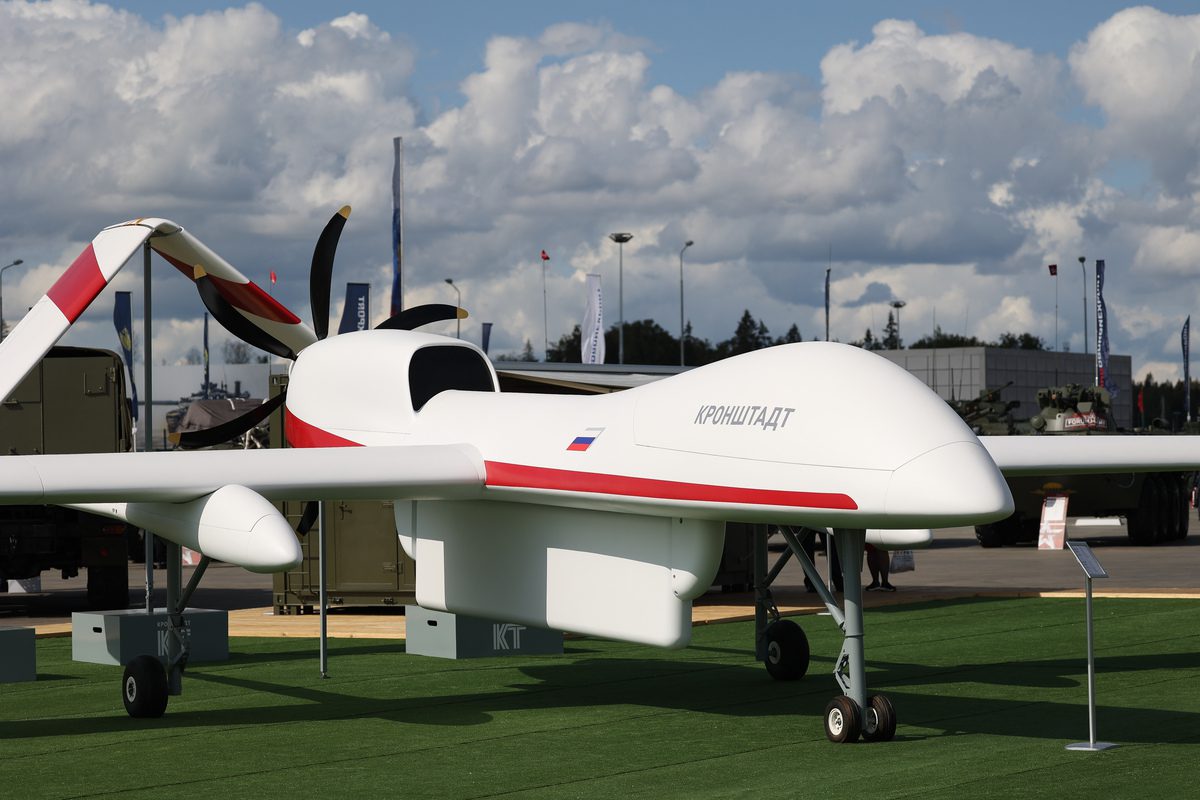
(117, 637)
(443, 635)
(18, 655)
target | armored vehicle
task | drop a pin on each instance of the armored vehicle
(1154, 505)
(74, 401)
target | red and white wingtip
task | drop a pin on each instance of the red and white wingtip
(101, 260)
(187, 253)
(69, 297)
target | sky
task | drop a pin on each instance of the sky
(942, 154)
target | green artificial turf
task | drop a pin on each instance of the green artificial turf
(987, 692)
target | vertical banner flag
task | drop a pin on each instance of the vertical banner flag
(397, 225)
(1185, 337)
(487, 337)
(1102, 376)
(593, 323)
(123, 322)
(356, 313)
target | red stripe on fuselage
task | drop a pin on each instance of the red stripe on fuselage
(301, 434)
(248, 297)
(78, 286)
(518, 476)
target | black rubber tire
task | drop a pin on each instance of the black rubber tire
(1141, 522)
(108, 587)
(879, 719)
(1185, 504)
(144, 688)
(1173, 515)
(787, 652)
(989, 535)
(843, 720)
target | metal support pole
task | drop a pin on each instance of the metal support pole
(147, 422)
(621, 301)
(147, 343)
(760, 591)
(149, 541)
(1091, 745)
(174, 620)
(850, 545)
(324, 599)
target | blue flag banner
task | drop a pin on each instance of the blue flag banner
(1102, 324)
(1185, 337)
(487, 337)
(356, 314)
(123, 322)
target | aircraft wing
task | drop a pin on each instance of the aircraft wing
(336, 473)
(1078, 455)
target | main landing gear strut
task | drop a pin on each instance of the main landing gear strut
(783, 647)
(147, 684)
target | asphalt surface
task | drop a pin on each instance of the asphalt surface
(954, 564)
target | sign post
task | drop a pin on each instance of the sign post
(1092, 569)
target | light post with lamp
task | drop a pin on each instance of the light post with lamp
(457, 318)
(686, 245)
(898, 304)
(3, 330)
(621, 239)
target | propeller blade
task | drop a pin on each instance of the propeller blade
(412, 318)
(234, 322)
(320, 276)
(311, 509)
(191, 440)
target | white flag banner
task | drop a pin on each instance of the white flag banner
(593, 323)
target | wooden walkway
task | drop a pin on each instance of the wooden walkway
(363, 624)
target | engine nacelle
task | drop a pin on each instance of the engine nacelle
(233, 524)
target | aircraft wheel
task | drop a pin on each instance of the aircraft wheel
(879, 719)
(787, 650)
(144, 688)
(843, 720)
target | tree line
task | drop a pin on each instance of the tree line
(647, 342)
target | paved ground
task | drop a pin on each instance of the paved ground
(954, 565)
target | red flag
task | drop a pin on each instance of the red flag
(1053, 270)
(1141, 405)
(272, 277)
(544, 256)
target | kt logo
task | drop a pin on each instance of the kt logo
(506, 636)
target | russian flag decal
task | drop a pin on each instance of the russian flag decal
(583, 442)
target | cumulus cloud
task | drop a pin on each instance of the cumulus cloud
(946, 168)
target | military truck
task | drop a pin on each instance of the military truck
(74, 401)
(1155, 505)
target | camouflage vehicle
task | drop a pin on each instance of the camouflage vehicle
(987, 414)
(74, 401)
(1155, 505)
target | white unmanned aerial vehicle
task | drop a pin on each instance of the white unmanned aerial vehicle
(601, 515)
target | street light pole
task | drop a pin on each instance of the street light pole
(621, 239)
(457, 318)
(686, 245)
(13, 264)
(898, 304)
